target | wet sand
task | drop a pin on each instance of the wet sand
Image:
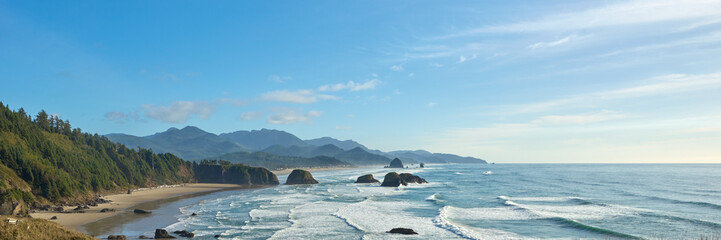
(124, 203)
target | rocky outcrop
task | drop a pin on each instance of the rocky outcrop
(423, 165)
(410, 178)
(185, 233)
(117, 237)
(300, 176)
(405, 231)
(368, 178)
(14, 207)
(236, 174)
(141, 211)
(393, 179)
(162, 234)
(396, 163)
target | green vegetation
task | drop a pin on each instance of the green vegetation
(45, 160)
(36, 229)
(226, 172)
(271, 161)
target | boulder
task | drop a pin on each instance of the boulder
(405, 231)
(396, 163)
(185, 233)
(410, 178)
(194, 214)
(368, 178)
(141, 211)
(217, 236)
(143, 237)
(392, 179)
(299, 176)
(161, 233)
(107, 210)
(117, 237)
(54, 218)
(422, 165)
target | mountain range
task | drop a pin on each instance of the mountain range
(193, 143)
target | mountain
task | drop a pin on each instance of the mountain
(422, 156)
(272, 161)
(188, 143)
(355, 156)
(260, 139)
(345, 145)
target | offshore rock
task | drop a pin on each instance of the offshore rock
(396, 163)
(300, 176)
(368, 178)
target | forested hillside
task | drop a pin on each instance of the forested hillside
(43, 159)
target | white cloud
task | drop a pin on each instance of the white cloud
(288, 116)
(249, 116)
(464, 58)
(299, 96)
(351, 86)
(616, 14)
(120, 117)
(397, 68)
(432, 104)
(411, 74)
(552, 43)
(179, 111)
(279, 79)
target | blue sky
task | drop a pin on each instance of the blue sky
(507, 81)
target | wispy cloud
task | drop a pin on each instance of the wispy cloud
(279, 79)
(578, 119)
(179, 111)
(622, 13)
(397, 68)
(288, 116)
(665, 84)
(432, 104)
(299, 96)
(556, 42)
(249, 116)
(120, 117)
(351, 86)
(463, 58)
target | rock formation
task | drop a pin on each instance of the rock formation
(396, 163)
(393, 179)
(141, 211)
(299, 176)
(368, 178)
(161, 234)
(405, 231)
(410, 178)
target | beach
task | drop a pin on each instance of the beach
(125, 202)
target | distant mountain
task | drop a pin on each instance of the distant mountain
(428, 157)
(355, 156)
(272, 161)
(190, 143)
(345, 145)
(261, 139)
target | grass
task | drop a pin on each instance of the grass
(36, 229)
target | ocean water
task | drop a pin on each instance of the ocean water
(461, 201)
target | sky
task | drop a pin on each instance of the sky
(507, 81)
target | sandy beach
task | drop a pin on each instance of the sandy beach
(124, 202)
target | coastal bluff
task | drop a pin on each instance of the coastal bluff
(300, 176)
(213, 172)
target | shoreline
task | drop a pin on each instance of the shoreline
(123, 203)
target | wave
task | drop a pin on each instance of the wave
(442, 221)
(434, 197)
(683, 219)
(488, 173)
(577, 225)
(696, 203)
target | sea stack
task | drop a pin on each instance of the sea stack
(396, 163)
(368, 178)
(392, 179)
(300, 176)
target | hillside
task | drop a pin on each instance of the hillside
(355, 156)
(45, 161)
(260, 139)
(271, 161)
(188, 143)
(428, 157)
(345, 145)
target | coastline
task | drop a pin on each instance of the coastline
(311, 170)
(122, 203)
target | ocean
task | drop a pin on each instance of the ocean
(461, 201)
